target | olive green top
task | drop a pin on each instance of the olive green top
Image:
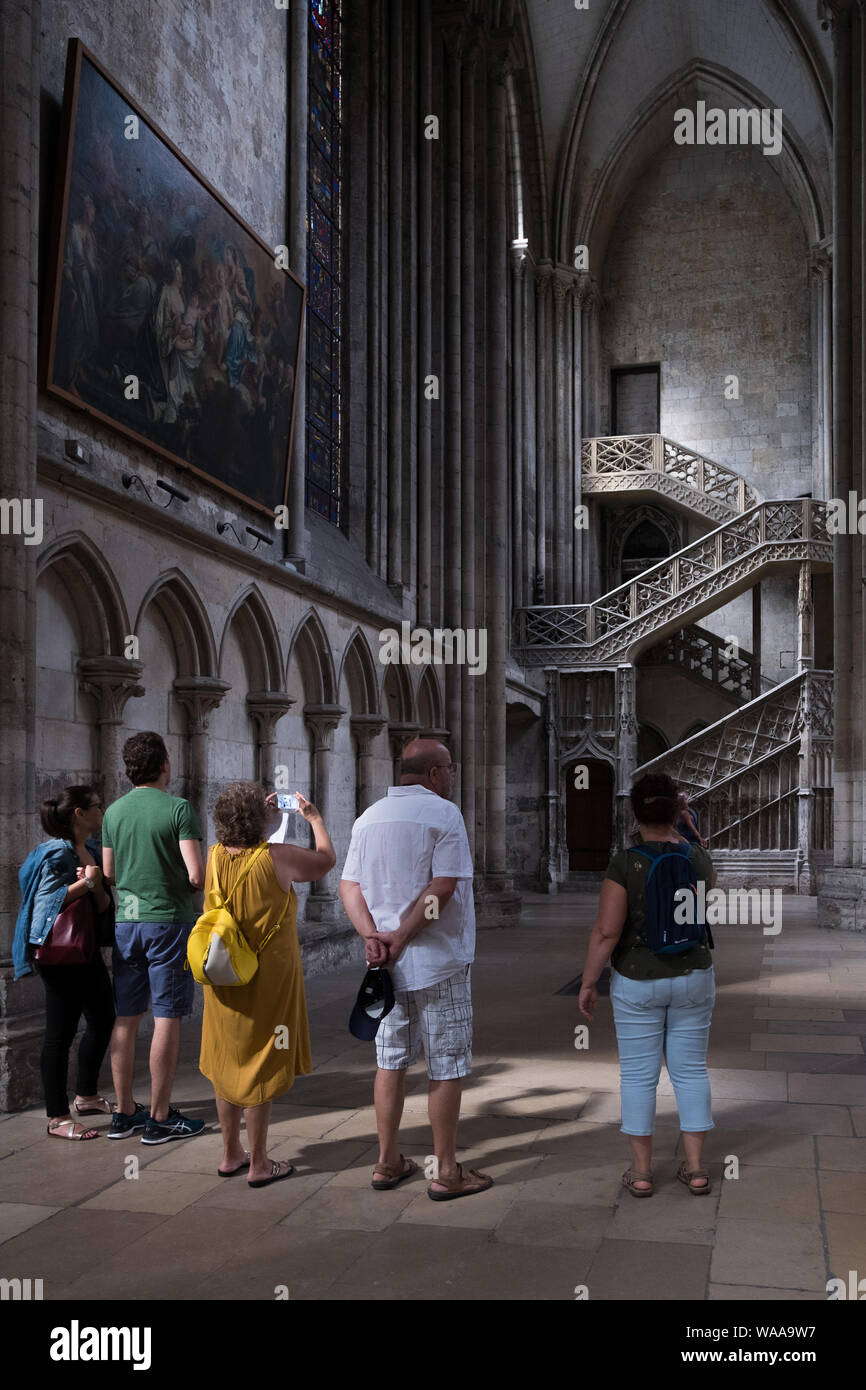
(631, 958)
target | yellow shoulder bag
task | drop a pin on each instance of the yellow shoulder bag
(217, 951)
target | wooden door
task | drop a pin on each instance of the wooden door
(589, 815)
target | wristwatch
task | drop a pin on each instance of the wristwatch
(91, 885)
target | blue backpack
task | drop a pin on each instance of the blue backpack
(669, 872)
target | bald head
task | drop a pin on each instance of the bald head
(427, 763)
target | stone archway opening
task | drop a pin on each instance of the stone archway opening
(589, 798)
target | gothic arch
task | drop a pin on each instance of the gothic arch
(398, 695)
(100, 608)
(359, 670)
(429, 701)
(575, 134)
(183, 612)
(316, 663)
(627, 522)
(649, 128)
(258, 638)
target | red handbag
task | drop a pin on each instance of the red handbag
(72, 938)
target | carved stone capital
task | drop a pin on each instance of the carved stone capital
(401, 734)
(111, 680)
(501, 55)
(821, 261)
(838, 13)
(322, 720)
(266, 708)
(199, 696)
(365, 728)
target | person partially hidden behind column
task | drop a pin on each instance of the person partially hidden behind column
(407, 889)
(661, 1003)
(255, 1038)
(151, 851)
(60, 872)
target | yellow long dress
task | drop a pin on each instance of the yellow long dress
(255, 1038)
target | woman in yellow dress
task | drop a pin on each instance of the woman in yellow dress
(255, 1038)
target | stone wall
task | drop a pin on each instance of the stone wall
(707, 274)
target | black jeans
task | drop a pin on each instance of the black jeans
(70, 991)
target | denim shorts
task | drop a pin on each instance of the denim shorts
(148, 963)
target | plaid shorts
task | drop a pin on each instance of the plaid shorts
(439, 1019)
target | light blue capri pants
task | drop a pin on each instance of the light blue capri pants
(669, 1018)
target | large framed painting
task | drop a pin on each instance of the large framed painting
(170, 318)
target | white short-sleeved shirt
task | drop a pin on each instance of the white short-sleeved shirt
(398, 845)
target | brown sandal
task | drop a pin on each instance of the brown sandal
(54, 1131)
(394, 1173)
(628, 1180)
(688, 1178)
(466, 1184)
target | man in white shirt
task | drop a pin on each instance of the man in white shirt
(407, 889)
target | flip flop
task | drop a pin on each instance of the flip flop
(245, 1163)
(394, 1173)
(276, 1175)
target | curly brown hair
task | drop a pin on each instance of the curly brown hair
(240, 815)
(144, 756)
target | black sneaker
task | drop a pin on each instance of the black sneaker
(174, 1126)
(123, 1125)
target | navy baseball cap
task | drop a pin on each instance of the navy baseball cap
(375, 1000)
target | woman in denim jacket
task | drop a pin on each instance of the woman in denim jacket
(58, 873)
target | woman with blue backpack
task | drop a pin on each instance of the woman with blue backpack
(662, 979)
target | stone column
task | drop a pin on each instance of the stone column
(398, 736)
(757, 643)
(321, 720)
(805, 796)
(563, 461)
(453, 35)
(21, 1005)
(518, 386)
(266, 708)
(111, 680)
(471, 206)
(500, 902)
(199, 696)
(549, 867)
(428, 151)
(394, 289)
(365, 729)
(821, 271)
(297, 199)
(805, 613)
(542, 591)
(626, 752)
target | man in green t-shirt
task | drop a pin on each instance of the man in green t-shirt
(151, 851)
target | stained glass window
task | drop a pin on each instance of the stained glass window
(324, 208)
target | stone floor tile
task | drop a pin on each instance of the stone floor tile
(162, 1192)
(671, 1214)
(646, 1270)
(305, 1260)
(802, 1015)
(171, 1260)
(749, 1293)
(349, 1209)
(842, 1155)
(278, 1198)
(812, 1028)
(552, 1224)
(846, 1244)
(843, 1192)
(558, 1179)
(16, 1217)
(588, 1144)
(73, 1242)
(761, 1147)
(827, 1089)
(804, 1042)
(764, 1193)
(773, 1254)
(858, 1119)
(822, 1062)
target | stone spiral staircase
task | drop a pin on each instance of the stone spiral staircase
(760, 778)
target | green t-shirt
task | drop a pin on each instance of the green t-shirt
(144, 828)
(629, 957)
